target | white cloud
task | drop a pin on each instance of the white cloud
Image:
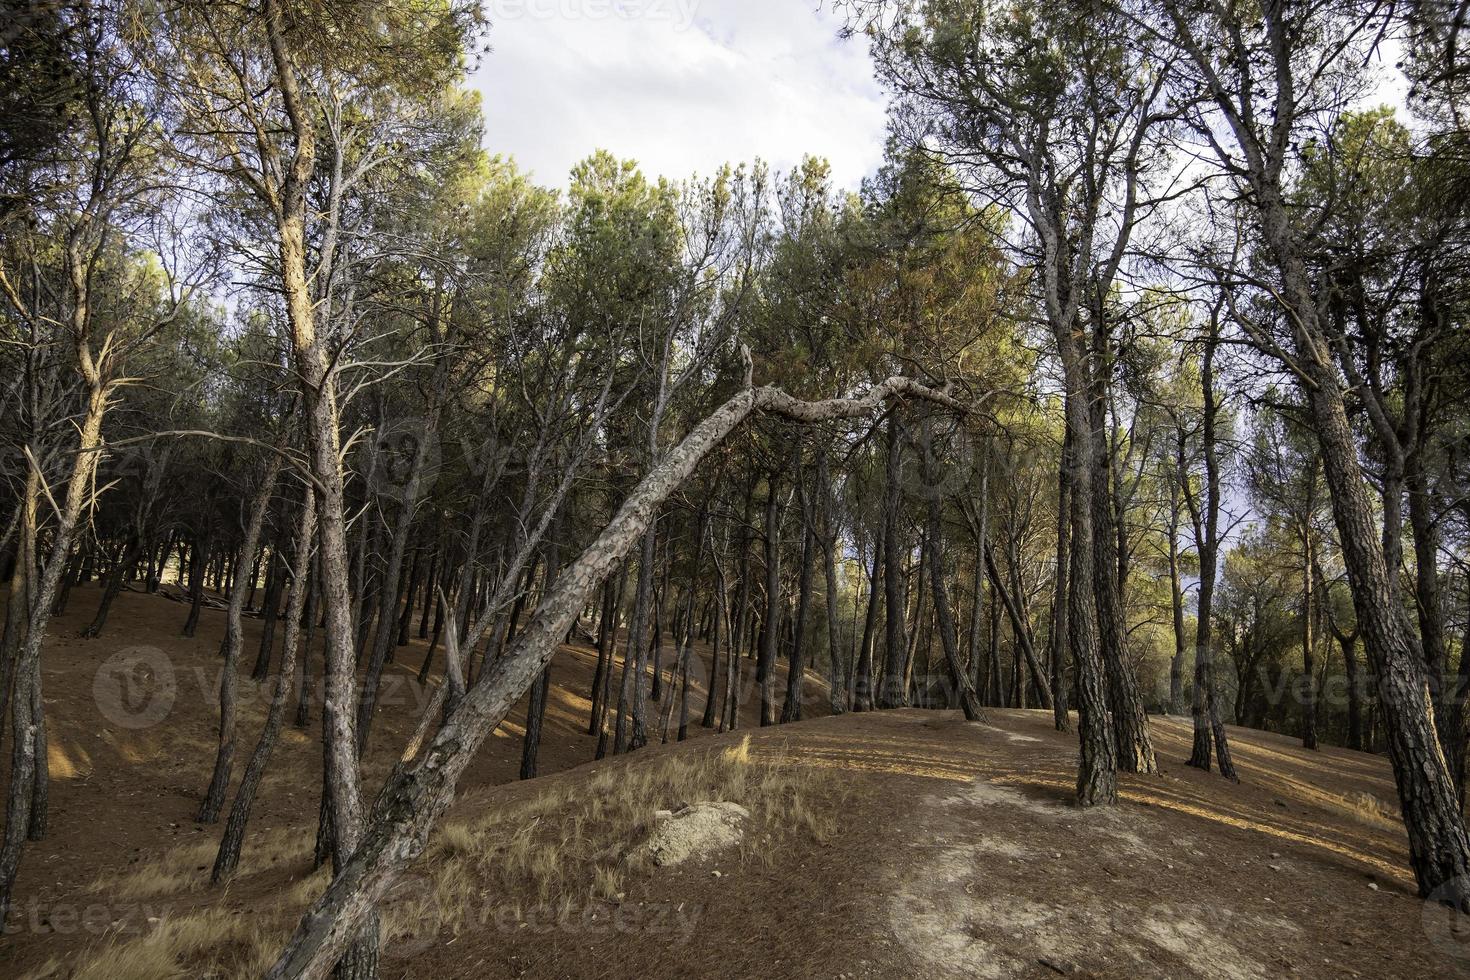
(681, 86)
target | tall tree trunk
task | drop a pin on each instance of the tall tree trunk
(1135, 751)
(228, 856)
(1061, 589)
(893, 692)
(27, 723)
(356, 955)
(771, 627)
(219, 783)
(796, 664)
(1208, 728)
(862, 694)
(1309, 645)
(1097, 769)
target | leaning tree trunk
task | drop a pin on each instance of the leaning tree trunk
(26, 720)
(1021, 628)
(1439, 847)
(418, 794)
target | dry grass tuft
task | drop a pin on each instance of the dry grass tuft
(575, 842)
(1369, 809)
(175, 872)
(168, 950)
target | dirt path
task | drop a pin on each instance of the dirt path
(1001, 876)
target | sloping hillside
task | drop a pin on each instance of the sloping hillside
(889, 844)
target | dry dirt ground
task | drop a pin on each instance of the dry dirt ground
(905, 843)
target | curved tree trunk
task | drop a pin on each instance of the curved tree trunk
(418, 794)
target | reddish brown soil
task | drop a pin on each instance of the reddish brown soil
(957, 852)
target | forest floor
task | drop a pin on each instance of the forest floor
(902, 843)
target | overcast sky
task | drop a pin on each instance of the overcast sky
(681, 86)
